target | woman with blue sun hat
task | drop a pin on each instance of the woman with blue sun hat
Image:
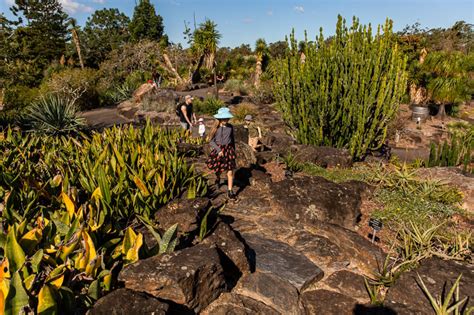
(222, 157)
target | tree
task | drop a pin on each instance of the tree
(260, 52)
(450, 78)
(146, 24)
(42, 38)
(77, 41)
(204, 41)
(105, 30)
(348, 89)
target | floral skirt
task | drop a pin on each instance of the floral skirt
(220, 164)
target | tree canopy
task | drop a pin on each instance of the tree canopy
(146, 24)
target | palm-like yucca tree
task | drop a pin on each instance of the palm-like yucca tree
(451, 79)
(204, 42)
(260, 51)
(76, 40)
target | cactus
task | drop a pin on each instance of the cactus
(347, 90)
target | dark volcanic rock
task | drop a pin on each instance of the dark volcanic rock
(282, 260)
(406, 296)
(125, 302)
(327, 303)
(235, 304)
(185, 212)
(322, 156)
(231, 246)
(278, 142)
(271, 290)
(348, 283)
(193, 277)
(315, 198)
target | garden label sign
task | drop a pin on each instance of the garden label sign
(376, 225)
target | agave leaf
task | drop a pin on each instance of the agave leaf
(46, 301)
(17, 298)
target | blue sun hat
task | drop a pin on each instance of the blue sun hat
(223, 113)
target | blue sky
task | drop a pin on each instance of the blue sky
(246, 20)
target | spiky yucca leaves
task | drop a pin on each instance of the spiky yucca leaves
(347, 90)
(54, 114)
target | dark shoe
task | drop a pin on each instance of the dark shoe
(231, 194)
(217, 183)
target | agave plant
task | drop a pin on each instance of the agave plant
(54, 114)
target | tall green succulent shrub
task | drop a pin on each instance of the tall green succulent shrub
(347, 89)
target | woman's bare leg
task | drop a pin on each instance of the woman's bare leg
(230, 179)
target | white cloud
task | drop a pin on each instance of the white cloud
(248, 20)
(299, 9)
(72, 7)
(270, 12)
(99, 1)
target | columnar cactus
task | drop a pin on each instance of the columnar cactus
(347, 90)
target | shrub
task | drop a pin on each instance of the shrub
(236, 86)
(244, 109)
(209, 106)
(53, 114)
(78, 85)
(263, 94)
(18, 97)
(347, 90)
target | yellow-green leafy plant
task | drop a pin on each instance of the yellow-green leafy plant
(71, 208)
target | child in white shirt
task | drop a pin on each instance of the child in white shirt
(201, 128)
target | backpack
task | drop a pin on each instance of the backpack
(178, 111)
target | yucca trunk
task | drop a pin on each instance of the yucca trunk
(346, 92)
(258, 71)
(77, 43)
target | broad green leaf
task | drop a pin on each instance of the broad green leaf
(17, 298)
(14, 252)
(35, 260)
(69, 205)
(46, 301)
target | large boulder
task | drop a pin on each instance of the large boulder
(309, 199)
(349, 284)
(322, 156)
(328, 303)
(245, 155)
(125, 301)
(235, 304)
(282, 260)
(271, 290)
(407, 297)
(193, 277)
(227, 241)
(278, 142)
(128, 109)
(186, 212)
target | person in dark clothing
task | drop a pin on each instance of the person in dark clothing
(222, 157)
(187, 117)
